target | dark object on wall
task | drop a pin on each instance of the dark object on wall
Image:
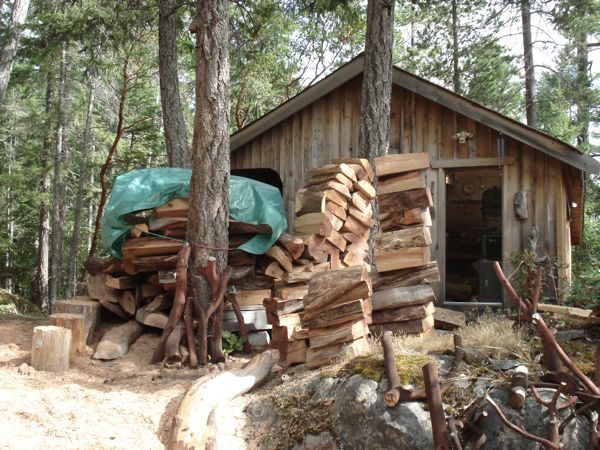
(492, 202)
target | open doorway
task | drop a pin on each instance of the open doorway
(473, 234)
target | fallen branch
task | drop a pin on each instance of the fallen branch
(190, 422)
(396, 393)
(178, 302)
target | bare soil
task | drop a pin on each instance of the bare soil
(126, 403)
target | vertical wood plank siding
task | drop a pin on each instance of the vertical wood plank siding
(328, 129)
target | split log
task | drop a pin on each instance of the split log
(241, 272)
(138, 229)
(282, 256)
(128, 303)
(364, 163)
(317, 223)
(403, 314)
(50, 348)
(320, 356)
(292, 292)
(361, 216)
(361, 202)
(176, 233)
(152, 319)
(335, 295)
(344, 312)
(447, 319)
(333, 169)
(167, 223)
(274, 270)
(336, 222)
(148, 290)
(338, 178)
(178, 207)
(84, 306)
(236, 258)
(309, 201)
(283, 307)
(98, 289)
(75, 323)
(402, 258)
(365, 188)
(416, 326)
(116, 342)
(114, 308)
(150, 246)
(337, 239)
(355, 256)
(294, 245)
(296, 352)
(313, 250)
(399, 163)
(151, 263)
(236, 227)
(409, 237)
(352, 225)
(398, 183)
(298, 277)
(121, 282)
(283, 320)
(190, 421)
(258, 282)
(397, 220)
(337, 210)
(345, 332)
(403, 297)
(324, 280)
(252, 297)
(406, 277)
(161, 302)
(415, 198)
(96, 266)
(340, 188)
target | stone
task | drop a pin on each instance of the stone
(322, 441)
(259, 338)
(533, 417)
(361, 419)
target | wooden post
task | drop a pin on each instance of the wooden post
(50, 348)
(81, 305)
(75, 323)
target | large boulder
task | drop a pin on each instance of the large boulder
(533, 417)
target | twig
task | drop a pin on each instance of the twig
(517, 429)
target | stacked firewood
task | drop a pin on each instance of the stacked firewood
(334, 217)
(403, 301)
(337, 311)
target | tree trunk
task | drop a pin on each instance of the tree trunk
(374, 127)
(174, 126)
(43, 251)
(11, 43)
(584, 94)
(455, 68)
(75, 239)
(58, 203)
(209, 187)
(530, 105)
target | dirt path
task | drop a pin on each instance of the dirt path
(121, 404)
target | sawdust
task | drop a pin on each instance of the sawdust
(126, 403)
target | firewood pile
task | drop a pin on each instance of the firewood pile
(403, 301)
(323, 292)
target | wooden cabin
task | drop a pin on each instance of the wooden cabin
(492, 178)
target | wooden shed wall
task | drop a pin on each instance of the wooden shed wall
(328, 129)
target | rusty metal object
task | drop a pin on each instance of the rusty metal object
(436, 411)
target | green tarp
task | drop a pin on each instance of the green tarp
(250, 202)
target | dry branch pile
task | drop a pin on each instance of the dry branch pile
(403, 301)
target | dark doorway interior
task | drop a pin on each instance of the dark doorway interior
(473, 234)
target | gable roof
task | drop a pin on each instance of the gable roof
(534, 138)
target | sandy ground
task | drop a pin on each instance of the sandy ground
(125, 404)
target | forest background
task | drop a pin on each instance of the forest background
(83, 82)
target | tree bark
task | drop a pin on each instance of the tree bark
(209, 186)
(11, 44)
(174, 125)
(10, 159)
(58, 203)
(374, 128)
(585, 91)
(530, 105)
(455, 69)
(83, 178)
(43, 251)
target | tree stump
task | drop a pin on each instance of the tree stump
(50, 348)
(75, 323)
(81, 305)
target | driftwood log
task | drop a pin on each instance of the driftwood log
(190, 422)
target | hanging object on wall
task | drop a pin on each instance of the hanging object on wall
(520, 203)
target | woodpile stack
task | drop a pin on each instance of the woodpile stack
(403, 301)
(331, 231)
